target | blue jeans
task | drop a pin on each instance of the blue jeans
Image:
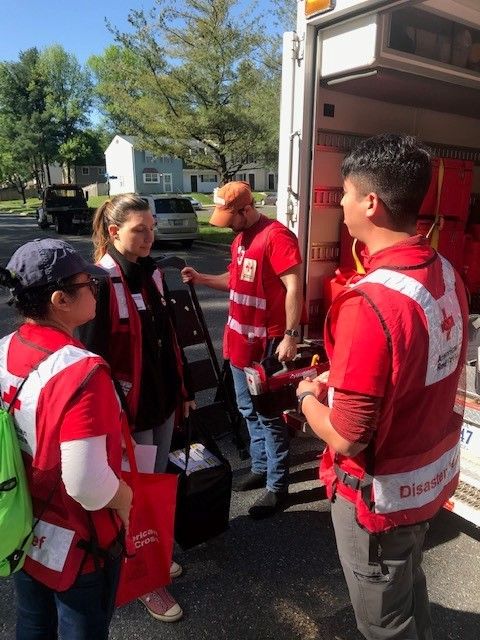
(82, 612)
(160, 436)
(269, 437)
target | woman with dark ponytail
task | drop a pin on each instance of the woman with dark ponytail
(69, 425)
(134, 331)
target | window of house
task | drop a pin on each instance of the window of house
(167, 183)
(149, 157)
(85, 171)
(241, 176)
(151, 178)
(208, 177)
(101, 171)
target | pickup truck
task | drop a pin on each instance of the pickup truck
(64, 206)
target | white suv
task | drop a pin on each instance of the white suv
(175, 216)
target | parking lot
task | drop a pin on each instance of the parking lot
(277, 578)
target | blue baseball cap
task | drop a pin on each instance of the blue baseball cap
(47, 261)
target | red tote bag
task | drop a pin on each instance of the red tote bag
(150, 540)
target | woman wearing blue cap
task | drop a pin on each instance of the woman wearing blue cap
(69, 423)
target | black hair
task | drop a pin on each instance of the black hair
(33, 302)
(8, 279)
(397, 168)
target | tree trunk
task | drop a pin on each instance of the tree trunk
(69, 177)
(20, 187)
(36, 176)
(41, 173)
(47, 169)
(225, 175)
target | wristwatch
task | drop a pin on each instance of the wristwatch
(301, 397)
(294, 333)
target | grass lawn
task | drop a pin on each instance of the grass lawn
(17, 206)
(212, 234)
(96, 201)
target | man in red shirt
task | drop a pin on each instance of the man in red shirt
(396, 341)
(264, 280)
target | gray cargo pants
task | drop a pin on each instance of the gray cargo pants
(384, 577)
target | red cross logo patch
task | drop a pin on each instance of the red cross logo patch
(9, 395)
(447, 323)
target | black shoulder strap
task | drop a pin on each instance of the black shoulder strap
(123, 400)
(17, 393)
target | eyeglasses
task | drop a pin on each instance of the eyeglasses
(93, 284)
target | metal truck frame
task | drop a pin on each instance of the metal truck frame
(343, 80)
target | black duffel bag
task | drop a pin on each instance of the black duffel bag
(203, 496)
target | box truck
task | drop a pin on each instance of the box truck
(356, 68)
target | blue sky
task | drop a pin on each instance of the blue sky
(77, 25)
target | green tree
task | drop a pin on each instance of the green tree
(26, 130)
(84, 147)
(285, 15)
(13, 172)
(68, 101)
(45, 98)
(197, 71)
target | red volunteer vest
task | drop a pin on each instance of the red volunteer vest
(411, 466)
(54, 558)
(126, 334)
(245, 334)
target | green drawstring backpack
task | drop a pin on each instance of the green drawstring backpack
(16, 517)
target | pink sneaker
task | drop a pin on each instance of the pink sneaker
(162, 605)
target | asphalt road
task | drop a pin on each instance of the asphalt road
(278, 578)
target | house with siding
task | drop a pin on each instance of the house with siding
(206, 180)
(87, 174)
(83, 175)
(133, 170)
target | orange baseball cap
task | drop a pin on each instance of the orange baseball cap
(229, 199)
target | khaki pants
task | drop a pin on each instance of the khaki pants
(384, 576)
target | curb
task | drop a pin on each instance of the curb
(221, 245)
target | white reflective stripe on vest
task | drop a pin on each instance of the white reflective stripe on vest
(248, 301)
(246, 329)
(26, 419)
(119, 290)
(417, 488)
(109, 264)
(330, 394)
(444, 317)
(50, 545)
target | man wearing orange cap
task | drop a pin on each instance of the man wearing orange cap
(264, 280)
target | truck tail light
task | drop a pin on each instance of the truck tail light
(316, 6)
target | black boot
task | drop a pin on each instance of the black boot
(268, 504)
(249, 481)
